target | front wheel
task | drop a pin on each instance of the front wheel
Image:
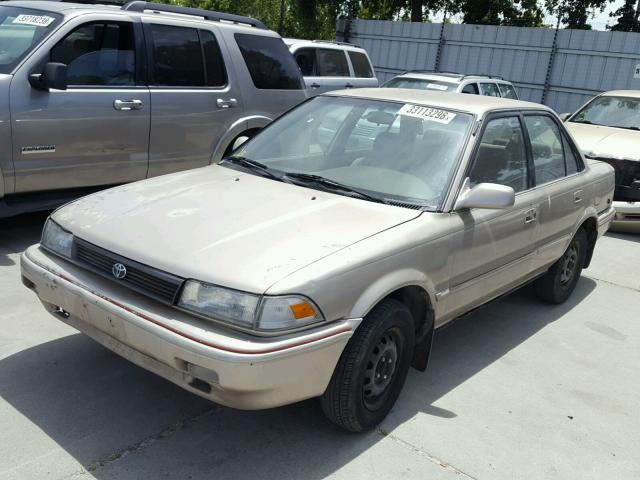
(556, 285)
(372, 368)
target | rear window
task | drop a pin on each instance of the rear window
(270, 62)
(361, 66)
(332, 63)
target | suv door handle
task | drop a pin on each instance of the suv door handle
(222, 103)
(577, 196)
(348, 85)
(127, 105)
(530, 216)
(315, 85)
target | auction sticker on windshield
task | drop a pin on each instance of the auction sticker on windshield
(34, 20)
(427, 113)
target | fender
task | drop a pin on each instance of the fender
(241, 125)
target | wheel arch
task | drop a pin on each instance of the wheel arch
(239, 127)
(590, 226)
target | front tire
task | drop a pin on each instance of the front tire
(372, 368)
(558, 283)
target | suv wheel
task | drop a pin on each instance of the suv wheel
(372, 368)
(556, 285)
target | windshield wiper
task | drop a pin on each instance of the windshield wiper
(333, 185)
(253, 165)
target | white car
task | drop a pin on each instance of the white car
(607, 128)
(491, 86)
(329, 66)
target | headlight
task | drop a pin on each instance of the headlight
(56, 239)
(247, 310)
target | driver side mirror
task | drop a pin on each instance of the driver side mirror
(565, 116)
(485, 195)
(54, 75)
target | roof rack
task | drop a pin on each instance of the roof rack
(459, 76)
(334, 42)
(141, 6)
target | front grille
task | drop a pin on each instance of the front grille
(146, 280)
(627, 178)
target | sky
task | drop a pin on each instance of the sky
(599, 22)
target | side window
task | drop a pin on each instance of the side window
(306, 60)
(573, 161)
(269, 62)
(361, 65)
(471, 88)
(508, 91)
(216, 73)
(546, 147)
(100, 53)
(501, 156)
(332, 63)
(490, 89)
(177, 57)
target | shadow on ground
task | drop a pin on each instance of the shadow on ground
(101, 409)
(17, 233)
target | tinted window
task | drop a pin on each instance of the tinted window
(213, 61)
(98, 54)
(501, 156)
(270, 63)
(490, 89)
(546, 146)
(508, 91)
(332, 63)
(471, 88)
(361, 66)
(21, 30)
(306, 60)
(573, 161)
(177, 57)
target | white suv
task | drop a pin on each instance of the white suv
(329, 66)
(489, 85)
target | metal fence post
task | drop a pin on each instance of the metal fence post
(436, 67)
(552, 56)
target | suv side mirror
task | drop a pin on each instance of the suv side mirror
(54, 75)
(485, 195)
(238, 142)
(564, 116)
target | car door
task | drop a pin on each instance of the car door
(97, 131)
(559, 187)
(193, 98)
(362, 75)
(331, 71)
(494, 247)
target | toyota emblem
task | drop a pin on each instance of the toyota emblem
(119, 271)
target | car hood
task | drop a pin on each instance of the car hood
(606, 142)
(226, 227)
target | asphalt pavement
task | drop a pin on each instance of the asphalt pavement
(516, 390)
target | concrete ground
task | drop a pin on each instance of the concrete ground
(517, 390)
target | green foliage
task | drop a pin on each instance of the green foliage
(627, 16)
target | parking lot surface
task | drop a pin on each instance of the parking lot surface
(516, 390)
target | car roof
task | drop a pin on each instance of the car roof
(72, 9)
(454, 78)
(477, 104)
(622, 93)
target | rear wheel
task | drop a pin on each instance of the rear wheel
(556, 285)
(372, 368)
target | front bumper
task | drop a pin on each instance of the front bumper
(227, 367)
(627, 215)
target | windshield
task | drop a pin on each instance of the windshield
(621, 112)
(421, 84)
(393, 151)
(20, 30)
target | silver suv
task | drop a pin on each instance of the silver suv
(489, 85)
(97, 95)
(330, 66)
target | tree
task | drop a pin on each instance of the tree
(521, 13)
(627, 16)
(575, 13)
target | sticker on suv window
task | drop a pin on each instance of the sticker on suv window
(427, 113)
(34, 20)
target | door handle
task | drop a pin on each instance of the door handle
(315, 85)
(530, 216)
(348, 85)
(127, 105)
(577, 196)
(222, 103)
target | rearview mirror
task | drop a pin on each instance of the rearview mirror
(565, 116)
(54, 75)
(485, 195)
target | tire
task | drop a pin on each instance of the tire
(556, 285)
(372, 368)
